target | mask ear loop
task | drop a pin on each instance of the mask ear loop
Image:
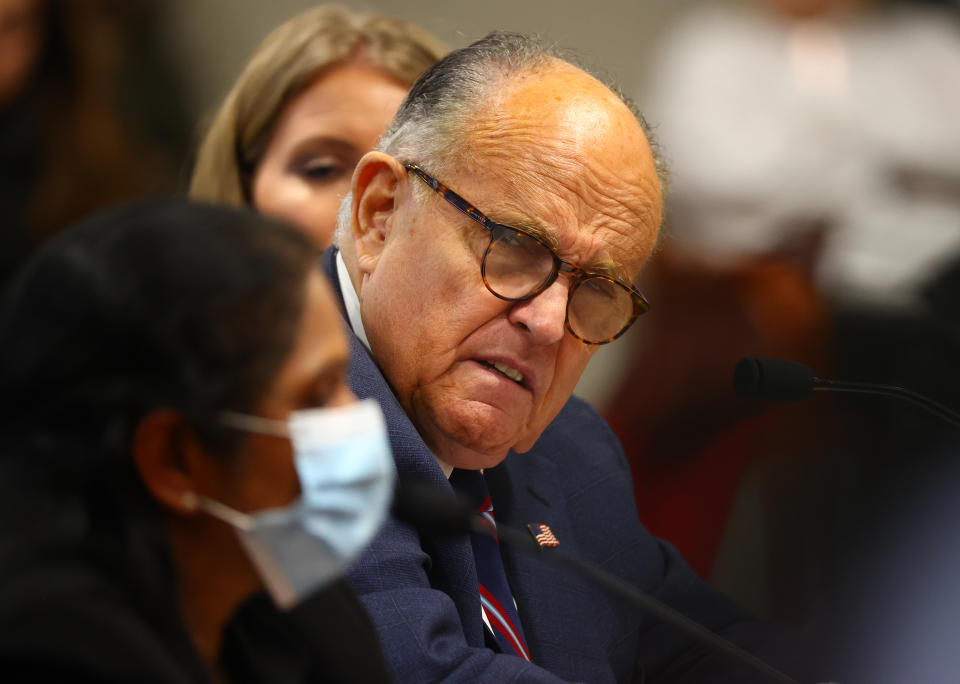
(196, 502)
(257, 424)
(190, 501)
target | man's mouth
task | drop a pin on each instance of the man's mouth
(507, 371)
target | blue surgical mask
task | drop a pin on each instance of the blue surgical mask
(346, 473)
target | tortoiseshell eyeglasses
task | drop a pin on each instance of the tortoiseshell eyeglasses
(518, 266)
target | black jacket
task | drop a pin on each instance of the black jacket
(73, 609)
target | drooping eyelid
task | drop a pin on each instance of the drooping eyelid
(313, 162)
(610, 270)
(601, 287)
(534, 228)
(323, 147)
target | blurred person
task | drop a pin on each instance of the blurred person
(488, 247)
(177, 437)
(817, 138)
(689, 441)
(74, 134)
(829, 124)
(314, 97)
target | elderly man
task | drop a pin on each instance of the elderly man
(488, 247)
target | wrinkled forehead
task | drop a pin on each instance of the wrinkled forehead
(558, 153)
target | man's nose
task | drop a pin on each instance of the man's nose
(545, 314)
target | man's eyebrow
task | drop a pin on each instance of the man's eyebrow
(510, 219)
(604, 266)
(533, 227)
(607, 267)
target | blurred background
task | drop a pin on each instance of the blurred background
(814, 215)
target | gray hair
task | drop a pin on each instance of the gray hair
(429, 127)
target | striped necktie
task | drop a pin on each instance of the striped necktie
(495, 596)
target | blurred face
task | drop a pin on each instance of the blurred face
(561, 156)
(313, 375)
(321, 134)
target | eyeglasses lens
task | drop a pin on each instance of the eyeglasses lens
(516, 265)
(599, 309)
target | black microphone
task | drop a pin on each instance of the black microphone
(429, 508)
(788, 381)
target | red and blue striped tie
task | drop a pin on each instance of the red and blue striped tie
(495, 596)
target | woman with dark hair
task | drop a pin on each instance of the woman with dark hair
(167, 368)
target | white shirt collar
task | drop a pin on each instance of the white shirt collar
(351, 302)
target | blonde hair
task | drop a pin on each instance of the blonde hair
(288, 61)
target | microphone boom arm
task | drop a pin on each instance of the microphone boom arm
(617, 586)
(933, 407)
(782, 380)
(429, 508)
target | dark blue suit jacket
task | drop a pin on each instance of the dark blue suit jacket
(421, 590)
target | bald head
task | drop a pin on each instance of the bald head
(469, 82)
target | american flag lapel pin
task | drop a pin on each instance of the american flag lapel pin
(543, 535)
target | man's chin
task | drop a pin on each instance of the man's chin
(489, 434)
(475, 456)
(468, 459)
(470, 433)
(472, 447)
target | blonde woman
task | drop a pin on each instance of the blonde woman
(315, 96)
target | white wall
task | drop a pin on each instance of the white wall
(213, 38)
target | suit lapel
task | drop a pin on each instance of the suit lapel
(526, 489)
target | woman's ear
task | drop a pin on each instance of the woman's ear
(376, 182)
(159, 452)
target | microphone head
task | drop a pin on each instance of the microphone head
(772, 379)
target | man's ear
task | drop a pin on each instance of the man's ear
(376, 182)
(159, 449)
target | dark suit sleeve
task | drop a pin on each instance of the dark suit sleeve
(419, 626)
